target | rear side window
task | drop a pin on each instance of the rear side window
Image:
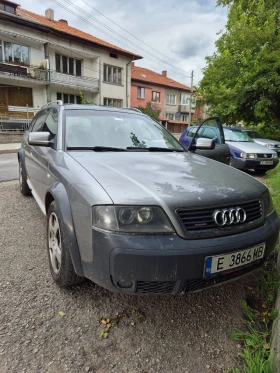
(39, 121)
(51, 123)
(210, 133)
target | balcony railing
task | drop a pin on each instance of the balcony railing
(46, 76)
(186, 108)
(83, 82)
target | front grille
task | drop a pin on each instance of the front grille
(155, 287)
(202, 283)
(199, 220)
(264, 156)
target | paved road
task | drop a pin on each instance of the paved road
(180, 334)
(8, 167)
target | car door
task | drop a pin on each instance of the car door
(47, 153)
(212, 128)
(32, 153)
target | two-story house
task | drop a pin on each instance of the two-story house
(173, 99)
(43, 59)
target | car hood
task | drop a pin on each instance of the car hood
(250, 147)
(266, 141)
(171, 180)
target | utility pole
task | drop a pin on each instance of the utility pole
(190, 116)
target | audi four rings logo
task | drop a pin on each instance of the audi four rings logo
(229, 216)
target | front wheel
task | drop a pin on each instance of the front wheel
(61, 266)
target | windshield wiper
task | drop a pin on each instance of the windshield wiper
(155, 149)
(97, 148)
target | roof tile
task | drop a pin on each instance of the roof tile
(64, 27)
(149, 76)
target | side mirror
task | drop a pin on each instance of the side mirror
(39, 138)
(204, 144)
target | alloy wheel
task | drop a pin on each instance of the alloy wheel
(54, 243)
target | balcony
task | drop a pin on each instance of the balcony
(18, 72)
(186, 109)
(37, 75)
(82, 82)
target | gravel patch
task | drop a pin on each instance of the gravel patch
(180, 334)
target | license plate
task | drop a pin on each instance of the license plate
(220, 263)
(266, 162)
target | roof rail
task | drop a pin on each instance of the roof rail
(56, 102)
(133, 108)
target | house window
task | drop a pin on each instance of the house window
(112, 74)
(169, 116)
(155, 96)
(68, 65)
(141, 92)
(66, 98)
(185, 100)
(7, 8)
(185, 118)
(171, 100)
(11, 52)
(112, 102)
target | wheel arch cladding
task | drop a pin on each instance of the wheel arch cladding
(58, 193)
(21, 156)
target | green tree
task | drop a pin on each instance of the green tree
(150, 109)
(84, 100)
(242, 78)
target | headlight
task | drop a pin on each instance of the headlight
(267, 203)
(269, 146)
(248, 155)
(131, 219)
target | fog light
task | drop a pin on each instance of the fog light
(125, 284)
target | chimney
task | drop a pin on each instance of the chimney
(63, 21)
(164, 73)
(132, 64)
(50, 14)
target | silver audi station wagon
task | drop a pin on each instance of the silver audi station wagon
(130, 209)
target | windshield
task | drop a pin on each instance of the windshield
(92, 128)
(235, 135)
(254, 135)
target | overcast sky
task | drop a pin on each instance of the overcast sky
(184, 31)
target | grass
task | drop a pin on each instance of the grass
(258, 308)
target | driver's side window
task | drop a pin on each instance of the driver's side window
(211, 129)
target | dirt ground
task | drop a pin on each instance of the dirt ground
(7, 138)
(179, 334)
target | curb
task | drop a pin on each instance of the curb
(275, 338)
(8, 151)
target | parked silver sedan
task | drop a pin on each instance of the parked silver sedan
(130, 209)
(259, 139)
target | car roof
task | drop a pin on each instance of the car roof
(100, 108)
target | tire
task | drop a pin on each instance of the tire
(61, 266)
(260, 172)
(24, 188)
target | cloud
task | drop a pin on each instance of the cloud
(183, 32)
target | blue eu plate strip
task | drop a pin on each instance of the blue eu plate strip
(208, 266)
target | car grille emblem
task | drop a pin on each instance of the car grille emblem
(229, 216)
(265, 155)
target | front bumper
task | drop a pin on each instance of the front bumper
(168, 264)
(254, 164)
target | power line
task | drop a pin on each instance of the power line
(130, 33)
(111, 30)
